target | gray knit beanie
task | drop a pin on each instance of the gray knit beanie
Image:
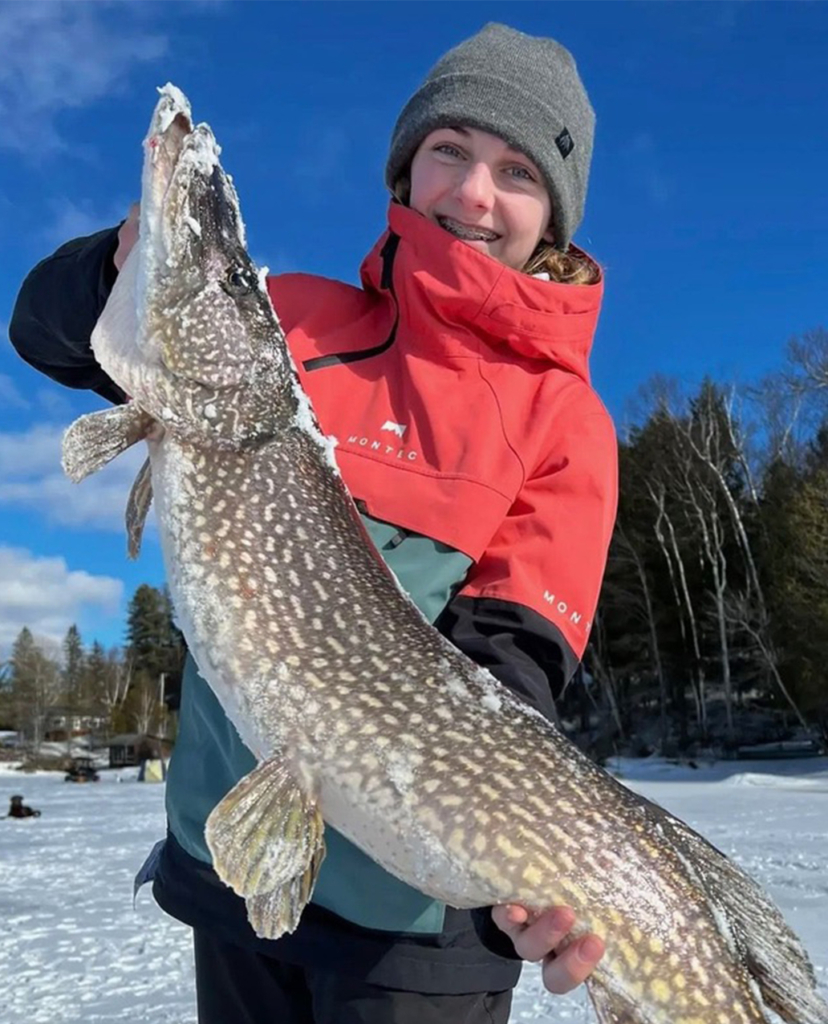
(526, 90)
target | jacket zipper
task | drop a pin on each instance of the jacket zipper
(388, 252)
(401, 534)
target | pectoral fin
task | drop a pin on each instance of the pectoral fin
(138, 504)
(95, 439)
(265, 833)
(276, 912)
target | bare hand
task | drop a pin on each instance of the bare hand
(543, 937)
(127, 236)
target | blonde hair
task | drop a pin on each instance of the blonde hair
(570, 267)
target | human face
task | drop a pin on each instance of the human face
(483, 192)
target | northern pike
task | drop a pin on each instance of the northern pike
(359, 712)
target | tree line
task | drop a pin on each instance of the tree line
(125, 688)
(712, 626)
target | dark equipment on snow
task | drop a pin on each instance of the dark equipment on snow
(82, 770)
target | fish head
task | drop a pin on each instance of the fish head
(206, 321)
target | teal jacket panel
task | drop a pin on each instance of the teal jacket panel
(210, 758)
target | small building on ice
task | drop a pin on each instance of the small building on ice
(134, 748)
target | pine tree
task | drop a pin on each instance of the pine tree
(95, 686)
(35, 685)
(155, 656)
(795, 564)
(22, 678)
(154, 643)
(74, 664)
(94, 677)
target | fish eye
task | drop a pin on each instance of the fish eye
(238, 281)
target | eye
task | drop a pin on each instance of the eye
(448, 149)
(522, 173)
(239, 281)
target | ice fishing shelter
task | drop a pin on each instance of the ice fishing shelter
(153, 770)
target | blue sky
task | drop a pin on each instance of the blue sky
(707, 201)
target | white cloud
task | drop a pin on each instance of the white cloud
(31, 478)
(47, 596)
(30, 453)
(54, 403)
(60, 55)
(10, 396)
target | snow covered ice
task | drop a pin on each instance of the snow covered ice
(73, 950)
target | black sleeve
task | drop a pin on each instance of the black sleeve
(530, 656)
(517, 645)
(57, 308)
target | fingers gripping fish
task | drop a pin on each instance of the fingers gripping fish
(389, 734)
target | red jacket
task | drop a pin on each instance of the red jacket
(466, 412)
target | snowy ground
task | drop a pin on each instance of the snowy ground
(80, 954)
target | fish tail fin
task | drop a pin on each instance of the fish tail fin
(772, 953)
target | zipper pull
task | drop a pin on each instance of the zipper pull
(387, 253)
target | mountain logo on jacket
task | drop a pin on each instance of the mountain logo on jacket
(395, 428)
(385, 446)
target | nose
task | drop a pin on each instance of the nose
(476, 187)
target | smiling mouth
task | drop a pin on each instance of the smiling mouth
(466, 233)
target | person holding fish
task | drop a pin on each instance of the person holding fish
(484, 468)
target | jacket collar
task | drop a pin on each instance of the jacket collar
(463, 298)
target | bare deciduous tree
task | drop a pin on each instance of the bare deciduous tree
(145, 704)
(681, 592)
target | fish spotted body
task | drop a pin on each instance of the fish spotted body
(359, 712)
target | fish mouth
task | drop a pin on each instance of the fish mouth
(171, 125)
(183, 215)
(194, 275)
(190, 230)
(187, 200)
(199, 210)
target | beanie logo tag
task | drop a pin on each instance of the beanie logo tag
(564, 143)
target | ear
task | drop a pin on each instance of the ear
(549, 235)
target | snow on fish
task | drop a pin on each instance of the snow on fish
(361, 714)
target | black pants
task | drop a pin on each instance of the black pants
(237, 986)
